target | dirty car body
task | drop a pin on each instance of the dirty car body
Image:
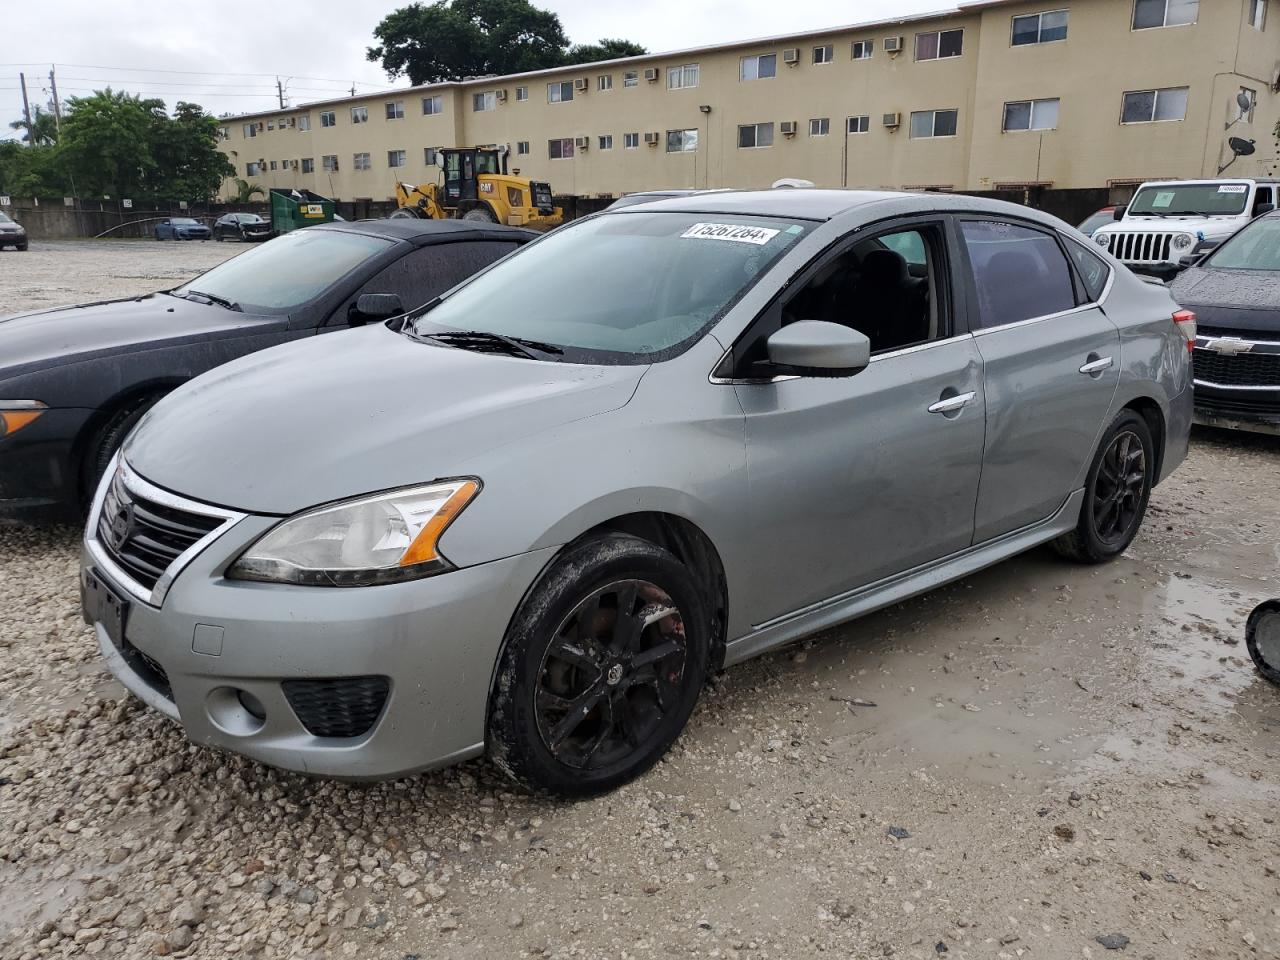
(745, 418)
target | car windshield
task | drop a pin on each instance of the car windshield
(619, 288)
(250, 218)
(283, 273)
(182, 221)
(1191, 200)
(4, 218)
(1256, 247)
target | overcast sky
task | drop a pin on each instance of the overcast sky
(226, 55)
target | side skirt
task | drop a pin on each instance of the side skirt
(903, 586)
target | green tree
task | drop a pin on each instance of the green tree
(41, 132)
(457, 39)
(604, 50)
(28, 171)
(105, 148)
(190, 167)
(245, 190)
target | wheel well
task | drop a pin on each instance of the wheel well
(108, 411)
(1149, 410)
(695, 550)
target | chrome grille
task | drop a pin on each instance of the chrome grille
(144, 537)
(1140, 247)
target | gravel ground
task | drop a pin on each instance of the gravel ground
(1040, 761)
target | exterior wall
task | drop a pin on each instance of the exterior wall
(1101, 59)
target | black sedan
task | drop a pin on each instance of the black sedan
(242, 226)
(12, 233)
(74, 380)
(1235, 294)
(182, 228)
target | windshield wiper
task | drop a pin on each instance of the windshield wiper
(220, 301)
(497, 343)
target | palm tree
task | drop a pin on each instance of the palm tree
(246, 190)
(41, 132)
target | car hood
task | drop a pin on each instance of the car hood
(1212, 228)
(353, 413)
(49, 338)
(1237, 300)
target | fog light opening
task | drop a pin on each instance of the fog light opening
(235, 711)
(252, 704)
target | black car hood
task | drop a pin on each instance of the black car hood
(1238, 300)
(50, 338)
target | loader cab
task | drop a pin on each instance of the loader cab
(462, 169)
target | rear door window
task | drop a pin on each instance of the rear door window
(1019, 273)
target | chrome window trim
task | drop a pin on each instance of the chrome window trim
(139, 485)
(1030, 320)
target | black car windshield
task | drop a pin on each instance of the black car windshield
(4, 218)
(1256, 247)
(288, 271)
(1191, 200)
(249, 218)
(620, 288)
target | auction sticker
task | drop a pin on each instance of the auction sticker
(733, 232)
(1234, 188)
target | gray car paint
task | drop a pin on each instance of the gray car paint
(777, 475)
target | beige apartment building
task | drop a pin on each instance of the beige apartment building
(993, 94)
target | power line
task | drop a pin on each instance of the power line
(194, 73)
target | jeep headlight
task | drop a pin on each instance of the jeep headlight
(384, 538)
(1183, 241)
(1102, 240)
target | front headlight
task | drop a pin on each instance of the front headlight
(1183, 241)
(385, 538)
(1102, 240)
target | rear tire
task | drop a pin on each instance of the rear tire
(1117, 490)
(107, 441)
(404, 213)
(602, 666)
(480, 215)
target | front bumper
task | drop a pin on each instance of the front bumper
(38, 472)
(13, 239)
(436, 641)
(1237, 382)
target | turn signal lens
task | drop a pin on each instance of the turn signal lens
(16, 414)
(1185, 321)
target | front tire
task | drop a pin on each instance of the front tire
(107, 441)
(480, 215)
(1117, 490)
(602, 667)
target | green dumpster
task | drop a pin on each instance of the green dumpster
(291, 209)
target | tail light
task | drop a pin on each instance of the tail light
(1185, 321)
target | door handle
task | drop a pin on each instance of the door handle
(953, 404)
(1096, 366)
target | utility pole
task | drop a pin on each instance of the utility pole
(353, 88)
(280, 92)
(57, 106)
(26, 109)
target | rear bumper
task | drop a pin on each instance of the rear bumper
(1177, 433)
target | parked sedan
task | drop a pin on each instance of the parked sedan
(12, 233)
(1235, 290)
(74, 380)
(182, 228)
(242, 226)
(534, 525)
(1098, 219)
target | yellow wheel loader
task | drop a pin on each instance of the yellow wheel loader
(477, 186)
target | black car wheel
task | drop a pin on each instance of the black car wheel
(104, 444)
(602, 667)
(1117, 490)
(1262, 637)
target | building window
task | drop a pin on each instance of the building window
(252, 169)
(395, 110)
(820, 127)
(862, 49)
(606, 141)
(432, 106)
(1152, 106)
(1258, 14)
(755, 135)
(1164, 13)
(430, 156)
(759, 68)
(560, 92)
(631, 78)
(560, 149)
(271, 124)
(483, 102)
(522, 148)
(1031, 115)
(361, 161)
(359, 114)
(273, 164)
(397, 158)
(604, 82)
(308, 165)
(682, 141)
(1246, 116)
(328, 118)
(682, 78)
(250, 130)
(304, 122)
(522, 93)
(1047, 27)
(824, 54)
(858, 124)
(939, 44)
(933, 123)
(329, 163)
(630, 141)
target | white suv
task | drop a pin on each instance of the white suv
(1166, 221)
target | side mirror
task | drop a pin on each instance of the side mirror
(372, 307)
(1262, 208)
(1118, 213)
(816, 348)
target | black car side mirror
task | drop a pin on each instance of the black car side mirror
(1118, 213)
(373, 307)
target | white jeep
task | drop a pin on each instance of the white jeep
(1169, 220)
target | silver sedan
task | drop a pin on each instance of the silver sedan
(532, 517)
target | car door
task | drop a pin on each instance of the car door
(855, 479)
(1051, 364)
